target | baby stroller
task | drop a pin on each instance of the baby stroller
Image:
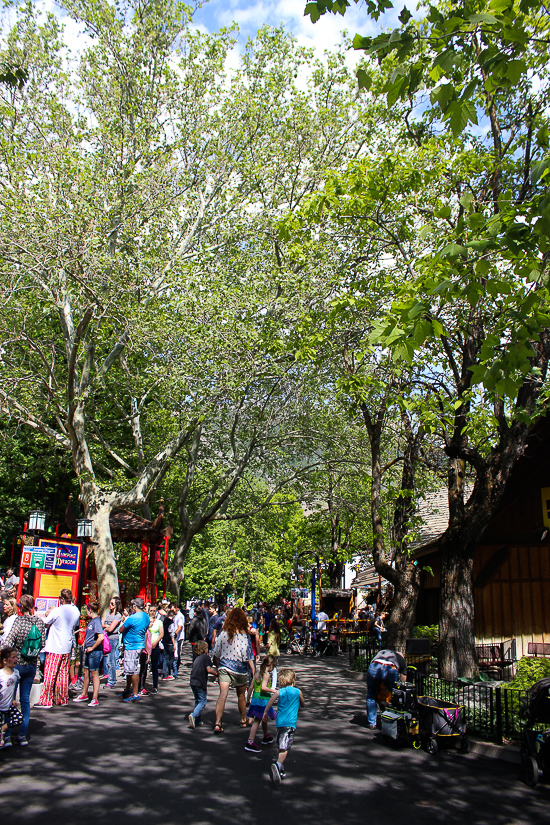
(443, 720)
(535, 743)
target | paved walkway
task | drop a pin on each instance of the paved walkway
(124, 763)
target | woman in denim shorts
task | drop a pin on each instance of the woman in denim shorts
(93, 647)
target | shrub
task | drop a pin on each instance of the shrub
(530, 670)
(361, 663)
(430, 632)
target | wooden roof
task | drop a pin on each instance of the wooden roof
(129, 527)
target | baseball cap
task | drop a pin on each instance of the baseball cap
(139, 603)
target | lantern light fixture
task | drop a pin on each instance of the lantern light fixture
(37, 520)
(84, 528)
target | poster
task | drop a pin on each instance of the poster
(42, 605)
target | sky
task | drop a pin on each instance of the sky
(250, 15)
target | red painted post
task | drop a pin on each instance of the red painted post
(166, 540)
(152, 577)
(143, 571)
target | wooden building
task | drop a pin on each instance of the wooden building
(512, 561)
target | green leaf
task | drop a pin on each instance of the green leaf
(453, 250)
(364, 79)
(482, 17)
(313, 12)
(405, 16)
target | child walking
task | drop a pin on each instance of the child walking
(202, 666)
(289, 701)
(9, 677)
(265, 682)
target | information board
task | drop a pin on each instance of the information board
(52, 555)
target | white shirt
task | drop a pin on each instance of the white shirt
(322, 620)
(8, 686)
(61, 622)
(7, 626)
(179, 624)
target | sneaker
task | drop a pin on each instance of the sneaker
(81, 699)
(22, 740)
(191, 721)
(93, 704)
(167, 678)
(267, 740)
(154, 690)
(275, 774)
(131, 698)
(144, 692)
(7, 744)
(282, 772)
(40, 705)
(252, 747)
(199, 724)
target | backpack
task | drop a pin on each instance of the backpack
(32, 645)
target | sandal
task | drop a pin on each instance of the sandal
(244, 724)
(218, 729)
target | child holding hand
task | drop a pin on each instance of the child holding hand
(289, 701)
(261, 688)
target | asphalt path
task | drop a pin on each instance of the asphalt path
(140, 763)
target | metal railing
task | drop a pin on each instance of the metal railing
(492, 712)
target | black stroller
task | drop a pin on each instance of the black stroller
(535, 743)
(441, 721)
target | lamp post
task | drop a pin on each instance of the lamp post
(37, 521)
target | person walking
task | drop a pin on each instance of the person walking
(61, 622)
(27, 636)
(198, 682)
(233, 656)
(289, 701)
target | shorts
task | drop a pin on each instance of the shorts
(131, 662)
(94, 659)
(234, 679)
(285, 738)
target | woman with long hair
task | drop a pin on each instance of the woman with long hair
(110, 626)
(273, 639)
(233, 656)
(10, 615)
(28, 637)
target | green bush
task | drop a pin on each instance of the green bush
(430, 632)
(530, 670)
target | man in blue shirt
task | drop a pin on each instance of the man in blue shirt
(133, 631)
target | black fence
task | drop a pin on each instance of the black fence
(491, 712)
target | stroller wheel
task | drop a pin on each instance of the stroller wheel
(431, 746)
(530, 770)
(464, 745)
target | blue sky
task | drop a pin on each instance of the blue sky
(326, 33)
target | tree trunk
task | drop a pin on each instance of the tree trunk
(456, 624)
(97, 507)
(403, 608)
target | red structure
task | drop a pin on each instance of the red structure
(130, 528)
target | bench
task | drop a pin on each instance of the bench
(495, 658)
(538, 649)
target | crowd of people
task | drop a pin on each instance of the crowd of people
(68, 649)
